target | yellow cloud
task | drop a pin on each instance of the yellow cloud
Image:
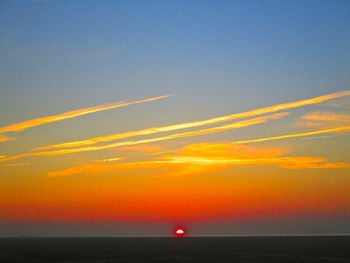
(4, 138)
(334, 130)
(234, 125)
(228, 150)
(71, 114)
(109, 160)
(207, 158)
(153, 130)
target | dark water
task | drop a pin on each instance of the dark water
(166, 249)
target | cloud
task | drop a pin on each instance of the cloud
(209, 157)
(285, 162)
(93, 168)
(70, 114)
(319, 163)
(326, 116)
(334, 130)
(206, 158)
(234, 125)
(109, 160)
(322, 118)
(4, 138)
(174, 127)
(97, 167)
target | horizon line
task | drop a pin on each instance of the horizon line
(160, 236)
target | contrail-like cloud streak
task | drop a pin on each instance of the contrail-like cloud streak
(71, 114)
(334, 130)
(153, 130)
(230, 126)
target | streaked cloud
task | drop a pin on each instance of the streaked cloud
(96, 167)
(93, 168)
(311, 163)
(71, 114)
(153, 130)
(230, 126)
(322, 118)
(109, 160)
(285, 162)
(334, 130)
(207, 158)
(4, 138)
(326, 116)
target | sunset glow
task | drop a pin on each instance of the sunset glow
(174, 118)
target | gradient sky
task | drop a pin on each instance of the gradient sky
(133, 117)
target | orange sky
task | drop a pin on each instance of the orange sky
(192, 175)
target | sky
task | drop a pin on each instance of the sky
(131, 118)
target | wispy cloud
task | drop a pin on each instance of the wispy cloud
(322, 118)
(71, 114)
(230, 126)
(326, 116)
(4, 138)
(96, 167)
(153, 130)
(284, 162)
(109, 160)
(209, 157)
(334, 130)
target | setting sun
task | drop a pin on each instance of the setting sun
(180, 232)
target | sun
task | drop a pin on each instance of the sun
(180, 231)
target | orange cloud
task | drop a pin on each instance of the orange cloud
(200, 158)
(4, 138)
(334, 130)
(313, 164)
(324, 119)
(153, 130)
(71, 114)
(234, 125)
(109, 160)
(227, 150)
(326, 116)
(184, 165)
(99, 167)
(208, 158)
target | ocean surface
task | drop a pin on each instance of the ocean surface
(172, 249)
